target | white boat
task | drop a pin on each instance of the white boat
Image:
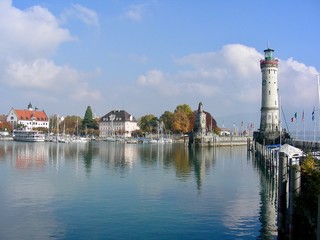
(28, 136)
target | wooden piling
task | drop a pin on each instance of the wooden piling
(282, 195)
(294, 191)
(318, 223)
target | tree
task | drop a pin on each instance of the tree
(167, 119)
(181, 122)
(148, 123)
(182, 119)
(307, 201)
(5, 126)
(185, 108)
(88, 121)
(71, 123)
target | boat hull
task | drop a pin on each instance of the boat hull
(28, 136)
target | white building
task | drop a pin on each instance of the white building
(117, 122)
(30, 118)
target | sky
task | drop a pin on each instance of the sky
(149, 56)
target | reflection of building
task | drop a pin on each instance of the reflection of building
(117, 122)
(202, 159)
(30, 155)
(30, 118)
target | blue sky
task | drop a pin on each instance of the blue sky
(150, 56)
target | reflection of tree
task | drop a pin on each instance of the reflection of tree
(181, 161)
(149, 154)
(87, 157)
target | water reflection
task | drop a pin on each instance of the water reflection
(268, 198)
(52, 186)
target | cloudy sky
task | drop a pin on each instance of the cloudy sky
(150, 56)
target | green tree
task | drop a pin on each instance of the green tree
(185, 108)
(167, 119)
(88, 121)
(307, 202)
(148, 123)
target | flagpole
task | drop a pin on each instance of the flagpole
(314, 131)
(304, 127)
(319, 99)
(314, 125)
(304, 131)
(280, 122)
(296, 127)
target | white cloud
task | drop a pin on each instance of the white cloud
(84, 14)
(33, 32)
(233, 72)
(298, 84)
(40, 74)
(28, 39)
(228, 82)
(82, 92)
(135, 12)
(152, 78)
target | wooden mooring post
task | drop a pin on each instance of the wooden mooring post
(284, 163)
(294, 191)
(282, 194)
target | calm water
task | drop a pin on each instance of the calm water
(104, 190)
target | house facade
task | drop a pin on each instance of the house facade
(30, 118)
(117, 123)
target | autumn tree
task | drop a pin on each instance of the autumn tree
(5, 126)
(182, 118)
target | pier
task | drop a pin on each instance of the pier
(203, 136)
(306, 146)
(284, 162)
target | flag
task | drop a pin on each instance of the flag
(313, 114)
(294, 117)
(303, 116)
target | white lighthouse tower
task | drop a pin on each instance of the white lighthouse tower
(269, 121)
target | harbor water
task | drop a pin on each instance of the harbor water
(103, 190)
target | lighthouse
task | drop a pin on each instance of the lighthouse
(269, 131)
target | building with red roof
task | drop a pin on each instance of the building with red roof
(30, 118)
